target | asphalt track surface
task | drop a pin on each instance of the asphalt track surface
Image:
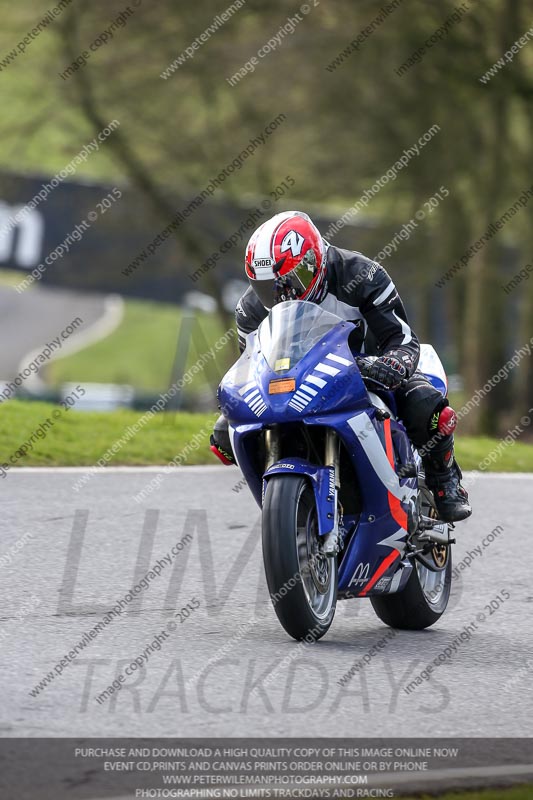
(89, 548)
(32, 318)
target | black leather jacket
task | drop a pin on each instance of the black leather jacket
(359, 290)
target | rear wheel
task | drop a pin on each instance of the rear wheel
(302, 582)
(425, 596)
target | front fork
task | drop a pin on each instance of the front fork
(272, 447)
(331, 541)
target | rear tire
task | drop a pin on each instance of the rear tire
(421, 603)
(302, 582)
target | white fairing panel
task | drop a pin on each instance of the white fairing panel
(369, 439)
(431, 365)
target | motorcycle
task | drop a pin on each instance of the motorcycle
(345, 509)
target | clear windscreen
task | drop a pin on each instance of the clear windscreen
(291, 330)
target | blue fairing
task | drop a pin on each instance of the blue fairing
(244, 392)
(303, 354)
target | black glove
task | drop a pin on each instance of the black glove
(386, 369)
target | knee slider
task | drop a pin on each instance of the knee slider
(446, 421)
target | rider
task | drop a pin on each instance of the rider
(287, 259)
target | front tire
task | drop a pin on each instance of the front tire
(302, 582)
(422, 602)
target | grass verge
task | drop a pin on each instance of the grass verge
(472, 450)
(141, 351)
(74, 438)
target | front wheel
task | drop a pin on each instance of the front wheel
(425, 596)
(302, 581)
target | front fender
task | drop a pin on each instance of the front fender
(322, 480)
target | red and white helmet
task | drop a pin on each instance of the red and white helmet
(286, 260)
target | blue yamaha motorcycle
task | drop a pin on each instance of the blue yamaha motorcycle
(345, 510)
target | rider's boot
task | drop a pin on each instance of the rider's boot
(443, 478)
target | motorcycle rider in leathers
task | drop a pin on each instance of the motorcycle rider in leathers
(287, 259)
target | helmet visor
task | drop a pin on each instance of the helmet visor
(292, 286)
